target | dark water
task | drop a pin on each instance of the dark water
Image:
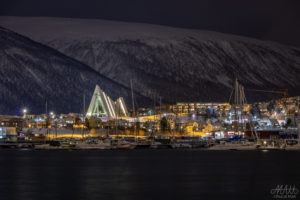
(145, 174)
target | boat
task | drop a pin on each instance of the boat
(179, 145)
(122, 144)
(88, 146)
(233, 146)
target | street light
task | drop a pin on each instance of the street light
(52, 114)
(24, 112)
(24, 116)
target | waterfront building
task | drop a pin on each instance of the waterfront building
(8, 132)
(12, 121)
(199, 107)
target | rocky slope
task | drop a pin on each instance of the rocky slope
(176, 64)
(31, 73)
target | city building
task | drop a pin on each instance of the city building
(8, 132)
(199, 107)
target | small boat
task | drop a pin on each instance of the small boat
(122, 144)
(100, 145)
(67, 145)
(181, 146)
(233, 147)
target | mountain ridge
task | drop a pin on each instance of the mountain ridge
(53, 27)
(172, 63)
(32, 72)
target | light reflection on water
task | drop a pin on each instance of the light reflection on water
(143, 174)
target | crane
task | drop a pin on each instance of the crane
(284, 92)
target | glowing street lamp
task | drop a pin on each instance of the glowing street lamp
(52, 114)
(24, 112)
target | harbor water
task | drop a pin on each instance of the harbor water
(145, 174)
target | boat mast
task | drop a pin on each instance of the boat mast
(133, 110)
(160, 104)
(116, 120)
(160, 108)
(132, 99)
(83, 112)
(154, 110)
(46, 107)
(239, 101)
(47, 120)
(83, 100)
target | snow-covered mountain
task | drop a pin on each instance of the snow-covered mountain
(31, 73)
(176, 64)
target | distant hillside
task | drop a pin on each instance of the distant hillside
(31, 72)
(176, 64)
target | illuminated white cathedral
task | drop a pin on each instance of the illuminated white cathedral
(103, 106)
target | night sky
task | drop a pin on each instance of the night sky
(276, 20)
